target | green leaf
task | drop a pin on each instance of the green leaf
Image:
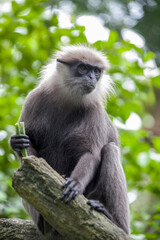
(148, 55)
(156, 143)
(156, 81)
(113, 37)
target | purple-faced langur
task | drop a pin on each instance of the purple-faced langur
(67, 125)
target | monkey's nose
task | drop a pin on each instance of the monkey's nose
(91, 75)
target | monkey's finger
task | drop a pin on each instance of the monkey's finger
(18, 140)
(65, 193)
(100, 209)
(68, 189)
(21, 146)
(20, 136)
(92, 201)
(17, 149)
(69, 180)
(89, 202)
(72, 195)
(77, 187)
(95, 204)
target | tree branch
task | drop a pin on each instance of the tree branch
(18, 229)
(40, 185)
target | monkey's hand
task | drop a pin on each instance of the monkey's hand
(19, 142)
(72, 189)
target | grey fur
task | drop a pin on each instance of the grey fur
(78, 140)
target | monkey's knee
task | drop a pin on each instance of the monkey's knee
(110, 150)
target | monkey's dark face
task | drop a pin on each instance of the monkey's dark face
(85, 75)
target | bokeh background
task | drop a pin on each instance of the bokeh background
(128, 32)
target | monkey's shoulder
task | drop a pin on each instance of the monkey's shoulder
(36, 104)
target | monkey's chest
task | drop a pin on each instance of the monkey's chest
(67, 137)
(64, 148)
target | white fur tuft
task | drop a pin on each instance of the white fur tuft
(83, 53)
(56, 75)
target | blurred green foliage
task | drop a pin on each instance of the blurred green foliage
(28, 38)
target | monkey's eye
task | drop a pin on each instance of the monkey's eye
(82, 69)
(97, 71)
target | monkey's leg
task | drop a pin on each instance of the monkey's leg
(110, 188)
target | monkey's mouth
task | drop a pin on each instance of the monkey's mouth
(88, 88)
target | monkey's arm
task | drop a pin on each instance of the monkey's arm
(81, 176)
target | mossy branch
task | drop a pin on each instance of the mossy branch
(72, 221)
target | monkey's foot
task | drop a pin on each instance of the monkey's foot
(98, 206)
(72, 189)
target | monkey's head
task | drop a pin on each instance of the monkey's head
(80, 73)
(83, 76)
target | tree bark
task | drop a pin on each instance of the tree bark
(18, 229)
(40, 185)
